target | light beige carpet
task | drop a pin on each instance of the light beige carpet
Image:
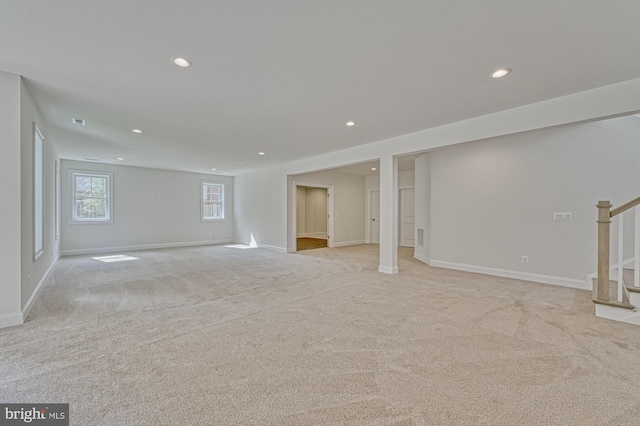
(226, 336)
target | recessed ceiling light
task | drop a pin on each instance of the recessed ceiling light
(261, 153)
(181, 62)
(91, 159)
(351, 123)
(373, 168)
(214, 169)
(120, 158)
(136, 130)
(501, 72)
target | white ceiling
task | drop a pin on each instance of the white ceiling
(283, 76)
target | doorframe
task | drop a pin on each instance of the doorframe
(369, 236)
(330, 210)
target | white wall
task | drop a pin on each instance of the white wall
(34, 272)
(261, 200)
(10, 163)
(151, 208)
(492, 201)
(301, 211)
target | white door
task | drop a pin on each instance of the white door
(374, 210)
(407, 217)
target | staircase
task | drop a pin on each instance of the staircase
(617, 296)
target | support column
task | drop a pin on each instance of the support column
(388, 215)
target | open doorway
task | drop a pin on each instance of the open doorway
(312, 217)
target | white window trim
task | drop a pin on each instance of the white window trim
(222, 192)
(72, 197)
(38, 179)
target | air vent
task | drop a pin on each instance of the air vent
(78, 121)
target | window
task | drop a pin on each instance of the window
(212, 201)
(57, 194)
(38, 192)
(91, 196)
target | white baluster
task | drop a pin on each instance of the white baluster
(636, 257)
(620, 254)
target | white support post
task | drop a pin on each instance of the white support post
(636, 254)
(388, 215)
(620, 255)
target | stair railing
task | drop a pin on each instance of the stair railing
(605, 214)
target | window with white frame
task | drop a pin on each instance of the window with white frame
(38, 192)
(91, 197)
(212, 201)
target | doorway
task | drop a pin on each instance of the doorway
(374, 209)
(407, 217)
(312, 217)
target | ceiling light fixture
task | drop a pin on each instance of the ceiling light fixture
(181, 62)
(351, 123)
(120, 158)
(261, 153)
(373, 168)
(136, 130)
(214, 169)
(501, 72)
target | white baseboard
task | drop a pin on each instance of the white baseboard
(348, 243)
(617, 314)
(26, 310)
(422, 258)
(273, 248)
(388, 269)
(143, 247)
(525, 276)
(9, 320)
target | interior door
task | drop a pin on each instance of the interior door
(407, 217)
(374, 210)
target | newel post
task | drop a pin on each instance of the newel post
(604, 223)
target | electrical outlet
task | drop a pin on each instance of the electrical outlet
(525, 259)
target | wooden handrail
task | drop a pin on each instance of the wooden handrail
(625, 206)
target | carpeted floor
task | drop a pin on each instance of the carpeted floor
(227, 336)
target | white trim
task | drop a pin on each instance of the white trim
(422, 258)
(617, 314)
(144, 247)
(72, 191)
(348, 243)
(388, 269)
(517, 275)
(273, 248)
(9, 320)
(26, 310)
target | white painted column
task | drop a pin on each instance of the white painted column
(10, 243)
(388, 215)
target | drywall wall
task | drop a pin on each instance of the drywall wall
(301, 211)
(10, 163)
(349, 205)
(422, 248)
(261, 197)
(151, 208)
(34, 271)
(492, 201)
